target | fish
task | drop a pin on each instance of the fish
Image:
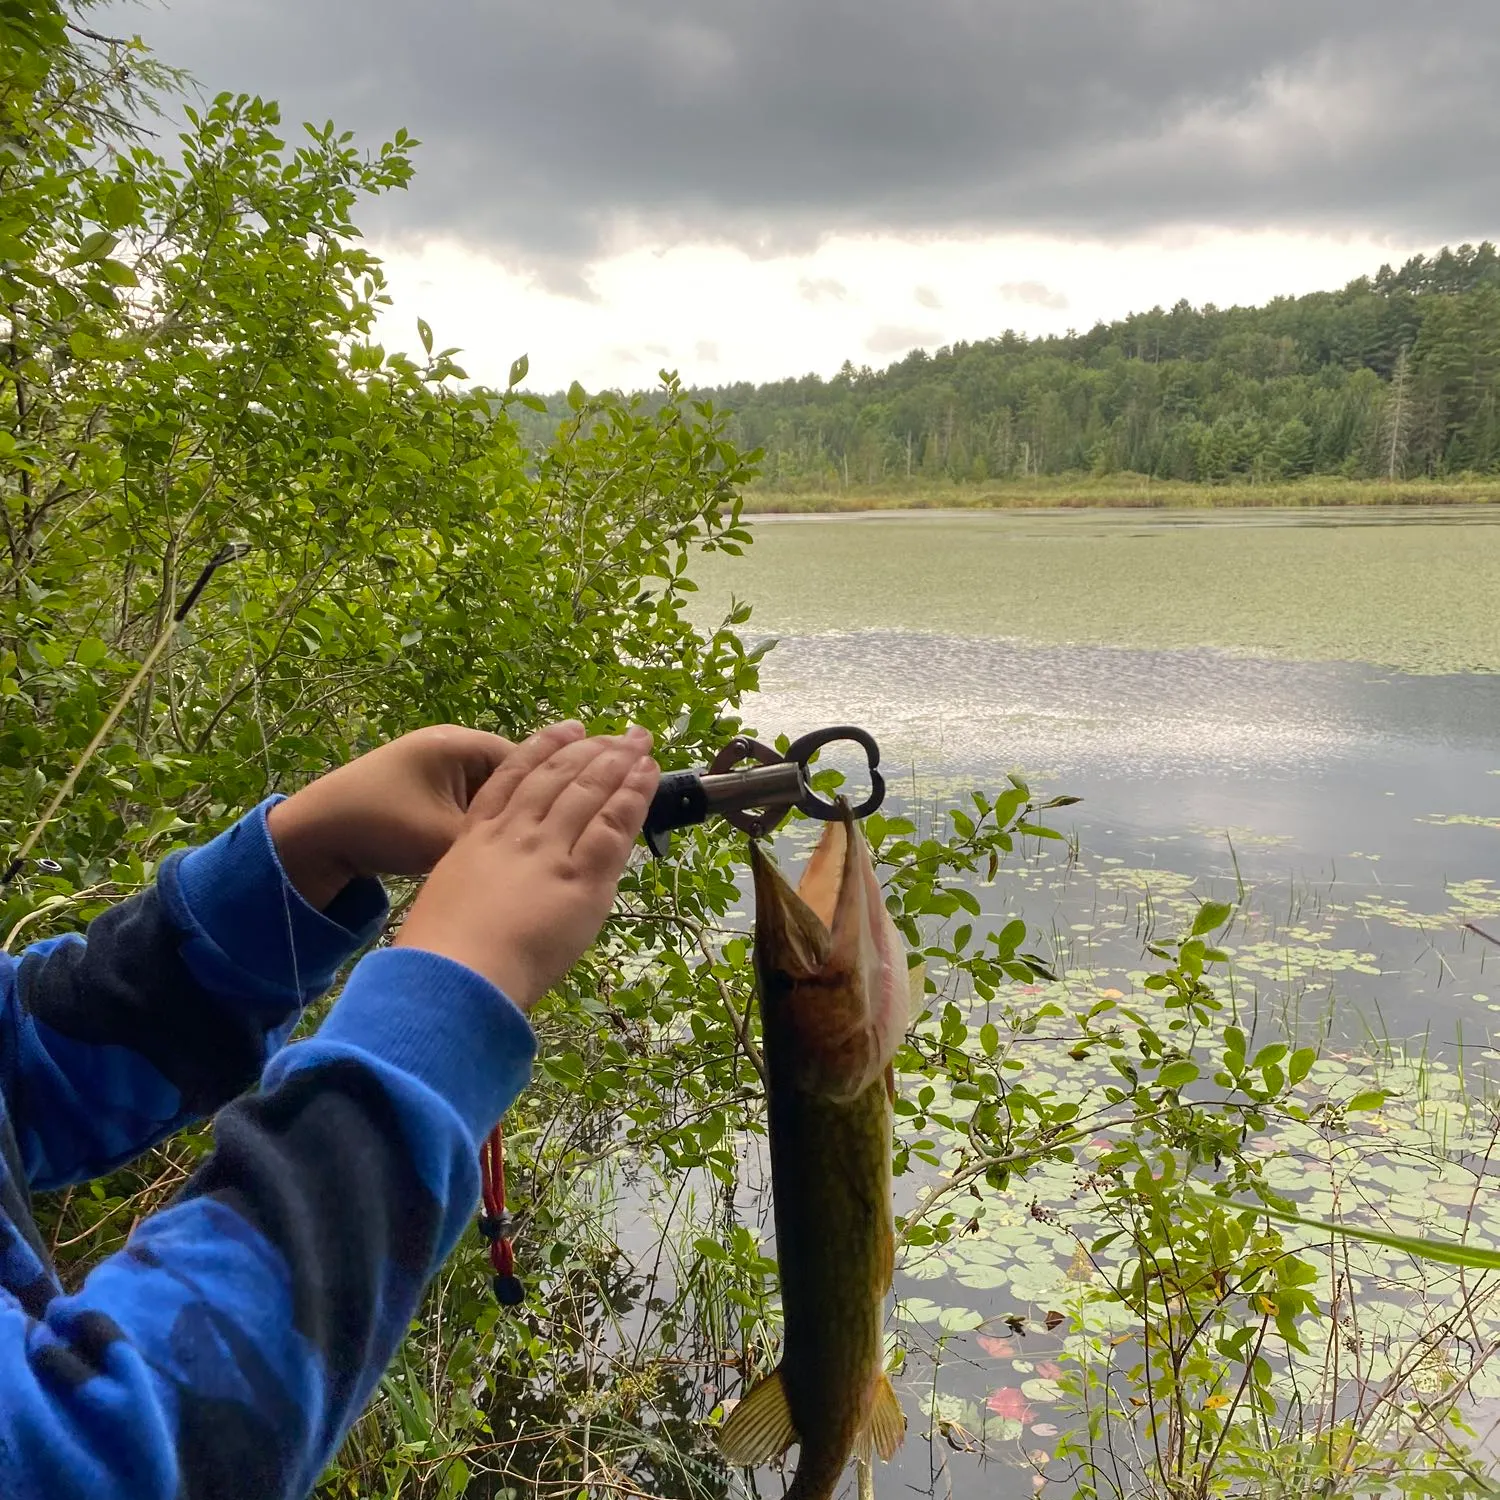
(836, 996)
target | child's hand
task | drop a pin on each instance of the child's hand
(394, 811)
(528, 883)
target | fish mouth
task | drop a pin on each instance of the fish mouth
(794, 928)
(831, 962)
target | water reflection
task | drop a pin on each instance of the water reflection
(1322, 775)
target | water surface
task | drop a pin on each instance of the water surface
(1305, 703)
(1288, 699)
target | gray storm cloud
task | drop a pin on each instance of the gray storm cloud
(550, 130)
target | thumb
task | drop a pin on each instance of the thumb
(474, 756)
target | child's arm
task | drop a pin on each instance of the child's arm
(232, 1343)
(178, 997)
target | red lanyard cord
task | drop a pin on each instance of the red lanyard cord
(495, 1223)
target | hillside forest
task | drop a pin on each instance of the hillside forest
(1394, 377)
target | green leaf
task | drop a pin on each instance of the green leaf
(424, 332)
(518, 371)
(120, 205)
(165, 820)
(1211, 915)
(1175, 1074)
(93, 247)
(566, 1068)
(577, 396)
(1299, 1064)
(1369, 1099)
(1445, 1252)
(960, 1319)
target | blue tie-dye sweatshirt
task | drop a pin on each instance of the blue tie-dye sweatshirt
(229, 1346)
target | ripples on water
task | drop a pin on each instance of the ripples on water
(1324, 777)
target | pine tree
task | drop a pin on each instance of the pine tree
(1396, 420)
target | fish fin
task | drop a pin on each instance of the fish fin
(887, 1420)
(760, 1427)
(916, 979)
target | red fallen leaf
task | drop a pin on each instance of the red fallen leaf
(1054, 1320)
(1010, 1404)
(1049, 1369)
(997, 1348)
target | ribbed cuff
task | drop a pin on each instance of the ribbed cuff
(439, 1021)
(249, 931)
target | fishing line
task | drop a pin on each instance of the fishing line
(257, 711)
(494, 1222)
(230, 552)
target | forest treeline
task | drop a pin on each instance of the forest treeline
(1394, 376)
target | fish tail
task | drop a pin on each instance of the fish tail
(817, 1476)
(760, 1428)
(819, 1468)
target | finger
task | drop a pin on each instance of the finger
(578, 803)
(494, 796)
(603, 848)
(533, 799)
(476, 755)
(455, 761)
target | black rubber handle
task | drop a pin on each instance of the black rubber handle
(680, 802)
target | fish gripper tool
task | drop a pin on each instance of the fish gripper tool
(757, 797)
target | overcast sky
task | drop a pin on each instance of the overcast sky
(753, 188)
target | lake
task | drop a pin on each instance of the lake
(1308, 703)
(1319, 693)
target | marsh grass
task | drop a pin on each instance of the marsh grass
(1123, 491)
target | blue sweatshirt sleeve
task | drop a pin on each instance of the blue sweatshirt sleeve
(228, 1348)
(171, 1006)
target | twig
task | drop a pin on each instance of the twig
(231, 552)
(97, 36)
(741, 1029)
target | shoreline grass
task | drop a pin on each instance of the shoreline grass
(1125, 492)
